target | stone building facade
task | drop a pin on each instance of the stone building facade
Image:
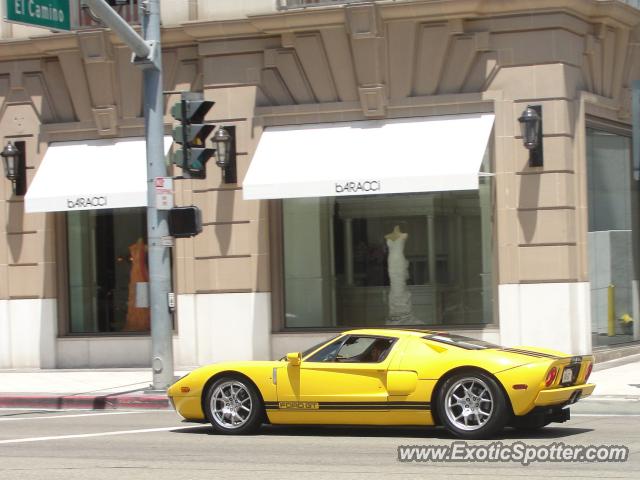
(525, 257)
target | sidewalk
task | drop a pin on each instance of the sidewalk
(82, 389)
(130, 388)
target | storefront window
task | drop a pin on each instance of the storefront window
(613, 187)
(406, 259)
(107, 267)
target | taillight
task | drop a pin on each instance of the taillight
(551, 376)
(589, 368)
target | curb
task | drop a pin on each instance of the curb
(88, 402)
(615, 353)
(616, 362)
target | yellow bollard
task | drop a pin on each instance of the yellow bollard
(611, 301)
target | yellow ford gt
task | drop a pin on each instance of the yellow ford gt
(390, 377)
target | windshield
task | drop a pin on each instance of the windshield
(461, 341)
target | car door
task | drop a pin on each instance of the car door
(344, 382)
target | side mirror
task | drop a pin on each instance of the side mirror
(294, 358)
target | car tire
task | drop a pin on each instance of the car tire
(471, 405)
(233, 406)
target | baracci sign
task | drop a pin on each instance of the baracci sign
(87, 203)
(52, 14)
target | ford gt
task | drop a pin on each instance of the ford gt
(390, 377)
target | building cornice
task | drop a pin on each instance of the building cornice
(608, 12)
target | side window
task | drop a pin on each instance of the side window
(355, 349)
(316, 346)
(326, 354)
(364, 350)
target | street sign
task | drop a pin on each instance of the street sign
(164, 192)
(51, 14)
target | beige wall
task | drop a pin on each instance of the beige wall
(363, 61)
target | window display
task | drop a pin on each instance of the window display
(407, 259)
(107, 269)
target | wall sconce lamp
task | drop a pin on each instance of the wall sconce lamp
(14, 166)
(531, 127)
(224, 142)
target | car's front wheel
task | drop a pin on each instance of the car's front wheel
(471, 405)
(233, 406)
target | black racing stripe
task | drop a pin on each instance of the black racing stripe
(530, 353)
(352, 407)
(374, 403)
(357, 406)
(372, 407)
(539, 354)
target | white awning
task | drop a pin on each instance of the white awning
(369, 157)
(90, 175)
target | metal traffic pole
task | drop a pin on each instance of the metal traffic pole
(147, 54)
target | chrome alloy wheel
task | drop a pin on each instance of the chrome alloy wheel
(469, 404)
(231, 404)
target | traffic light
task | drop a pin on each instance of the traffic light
(192, 134)
(185, 222)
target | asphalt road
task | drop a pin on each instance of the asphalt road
(157, 445)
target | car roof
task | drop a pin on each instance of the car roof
(390, 332)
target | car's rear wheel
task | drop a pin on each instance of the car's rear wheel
(472, 405)
(233, 406)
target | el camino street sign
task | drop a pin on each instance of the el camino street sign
(51, 14)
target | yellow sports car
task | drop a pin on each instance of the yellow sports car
(390, 377)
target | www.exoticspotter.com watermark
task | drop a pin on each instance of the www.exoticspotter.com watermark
(523, 453)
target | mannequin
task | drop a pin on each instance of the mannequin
(395, 234)
(399, 295)
(138, 319)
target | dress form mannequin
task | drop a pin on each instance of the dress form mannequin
(138, 319)
(399, 295)
(395, 234)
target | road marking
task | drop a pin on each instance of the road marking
(102, 434)
(2, 419)
(605, 415)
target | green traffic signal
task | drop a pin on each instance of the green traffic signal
(197, 162)
(193, 165)
(191, 134)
